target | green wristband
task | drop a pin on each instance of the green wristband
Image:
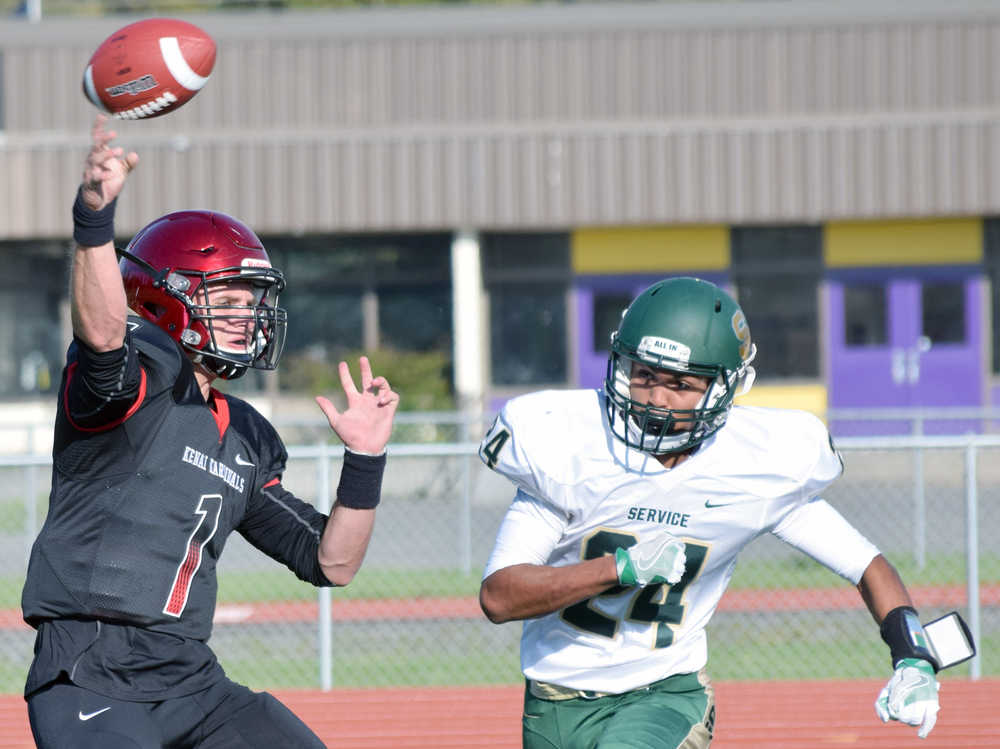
(626, 572)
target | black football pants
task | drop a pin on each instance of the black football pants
(224, 716)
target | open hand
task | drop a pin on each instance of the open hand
(366, 423)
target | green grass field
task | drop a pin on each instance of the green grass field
(798, 572)
(278, 584)
(742, 645)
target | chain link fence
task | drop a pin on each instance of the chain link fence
(411, 617)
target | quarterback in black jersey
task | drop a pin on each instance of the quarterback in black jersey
(153, 468)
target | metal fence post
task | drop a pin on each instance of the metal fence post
(972, 554)
(325, 632)
(30, 508)
(919, 500)
(465, 518)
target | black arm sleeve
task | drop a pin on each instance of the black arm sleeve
(286, 529)
(104, 385)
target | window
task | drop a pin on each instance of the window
(362, 292)
(527, 279)
(991, 240)
(608, 309)
(323, 320)
(776, 271)
(31, 292)
(519, 255)
(528, 334)
(415, 318)
(865, 316)
(943, 312)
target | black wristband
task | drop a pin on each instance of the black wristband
(904, 634)
(93, 228)
(360, 485)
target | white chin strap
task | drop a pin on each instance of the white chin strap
(749, 376)
(746, 375)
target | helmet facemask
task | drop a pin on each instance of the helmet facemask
(227, 338)
(180, 301)
(662, 431)
(206, 280)
(686, 327)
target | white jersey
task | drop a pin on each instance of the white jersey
(582, 493)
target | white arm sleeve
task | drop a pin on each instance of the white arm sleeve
(528, 534)
(818, 530)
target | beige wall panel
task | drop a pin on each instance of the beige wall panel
(545, 117)
(17, 219)
(562, 177)
(602, 183)
(315, 70)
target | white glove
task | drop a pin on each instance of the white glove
(911, 696)
(658, 559)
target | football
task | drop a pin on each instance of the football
(149, 68)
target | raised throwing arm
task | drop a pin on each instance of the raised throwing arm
(98, 305)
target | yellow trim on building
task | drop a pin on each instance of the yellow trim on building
(650, 249)
(917, 242)
(807, 397)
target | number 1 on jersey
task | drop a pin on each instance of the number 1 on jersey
(208, 511)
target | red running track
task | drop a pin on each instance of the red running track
(776, 715)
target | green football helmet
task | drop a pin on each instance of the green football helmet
(684, 325)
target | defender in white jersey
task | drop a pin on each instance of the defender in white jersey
(632, 505)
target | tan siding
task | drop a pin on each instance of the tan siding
(317, 124)
(594, 75)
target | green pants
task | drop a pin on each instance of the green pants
(674, 713)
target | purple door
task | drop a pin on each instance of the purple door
(905, 343)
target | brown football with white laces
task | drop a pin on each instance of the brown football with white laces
(149, 68)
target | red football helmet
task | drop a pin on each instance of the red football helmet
(173, 267)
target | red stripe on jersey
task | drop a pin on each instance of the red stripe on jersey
(209, 507)
(273, 482)
(219, 407)
(139, 398)
(179, 593)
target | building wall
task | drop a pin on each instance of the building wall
(540, 117)
(637, 132)
(878, 314)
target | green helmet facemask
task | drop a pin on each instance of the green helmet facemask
(688, 326)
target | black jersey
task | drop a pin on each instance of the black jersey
(139, 512)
